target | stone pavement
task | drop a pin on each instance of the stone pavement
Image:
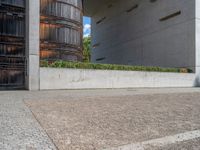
(97, 119)
(19, 130)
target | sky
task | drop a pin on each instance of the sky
(86, 26)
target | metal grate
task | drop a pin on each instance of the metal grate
(12, 44)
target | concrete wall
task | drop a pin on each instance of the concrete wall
(197, 42)
(32, 43)
(140, 38)
(137, 38)
(51, 78)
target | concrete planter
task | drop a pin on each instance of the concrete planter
(53, 78)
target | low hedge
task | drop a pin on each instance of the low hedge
(80, 65)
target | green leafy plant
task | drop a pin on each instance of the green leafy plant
(80, 65)
(86, 49)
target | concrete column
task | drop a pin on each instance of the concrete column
(32, 44)
(197, 42)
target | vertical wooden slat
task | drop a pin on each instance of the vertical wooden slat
(63, 21)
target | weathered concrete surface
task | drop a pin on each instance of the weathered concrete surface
(88, 120)
(100, 118)
(32, 43)
(52, 78)
(139, 37)
(197, 41)
(188, 145)
(19, 130)
(162, 142)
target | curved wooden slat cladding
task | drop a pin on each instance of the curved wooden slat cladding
(12, 44)
(61, 30)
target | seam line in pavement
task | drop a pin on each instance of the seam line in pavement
(160, 142)
(41, 125)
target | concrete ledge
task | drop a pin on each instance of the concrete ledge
(52, 78)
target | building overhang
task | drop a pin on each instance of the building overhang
(93, 6)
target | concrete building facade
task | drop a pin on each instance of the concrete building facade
(144, 32)
(134, 32)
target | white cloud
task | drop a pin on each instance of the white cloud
(87, 28)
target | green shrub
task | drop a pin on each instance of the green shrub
(80, 65)
(86, 49)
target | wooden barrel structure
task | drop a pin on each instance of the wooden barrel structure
(61, 30)
(12, 44)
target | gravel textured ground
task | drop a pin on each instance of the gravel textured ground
(110, 119)
(18, 128)
(97, 119)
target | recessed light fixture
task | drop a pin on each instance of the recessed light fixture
(170, 16)
(132, 8)
(100, 59)
(101, 20)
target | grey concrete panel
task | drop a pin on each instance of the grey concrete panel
(32, 43)
(34, 72)
(52, 78)
(140, 38)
